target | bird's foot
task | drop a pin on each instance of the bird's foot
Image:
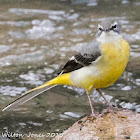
(110, 109)
(92, 117)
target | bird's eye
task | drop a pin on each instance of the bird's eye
(114, 26)
(101, 29)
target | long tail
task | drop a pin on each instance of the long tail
(62, 79)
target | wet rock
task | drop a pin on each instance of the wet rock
(122, 124)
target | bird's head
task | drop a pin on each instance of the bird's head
(108, 29)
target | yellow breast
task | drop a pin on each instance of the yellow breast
(112, 63)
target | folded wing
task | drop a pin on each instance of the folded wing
(84, 58)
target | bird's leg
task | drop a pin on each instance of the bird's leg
(90, 103)
(110, 107)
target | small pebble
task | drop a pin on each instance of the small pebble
(127, 137)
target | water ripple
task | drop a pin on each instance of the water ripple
(35, 11)
(12, 90)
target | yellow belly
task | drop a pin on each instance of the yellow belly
(110, 66)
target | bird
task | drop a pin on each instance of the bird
(97, 65)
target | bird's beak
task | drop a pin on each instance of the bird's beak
(107, 30)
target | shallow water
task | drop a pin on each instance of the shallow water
(36, 40)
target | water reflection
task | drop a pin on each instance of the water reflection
(37, 38)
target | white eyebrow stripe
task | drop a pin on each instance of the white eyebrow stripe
(100, 26)
(115, 23)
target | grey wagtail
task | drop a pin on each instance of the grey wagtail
(97, 65)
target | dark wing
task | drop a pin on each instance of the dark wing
(84, 58)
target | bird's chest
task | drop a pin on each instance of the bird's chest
(111, 52)
(113, 62)
(115, 54)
